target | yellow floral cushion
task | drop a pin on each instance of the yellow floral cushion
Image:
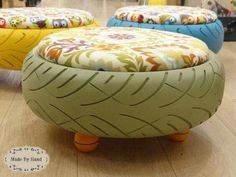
(122, 49)
(166, 14)
(35, 17)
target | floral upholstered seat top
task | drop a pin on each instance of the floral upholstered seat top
(44, 18)
(166, 14)
(122, 49)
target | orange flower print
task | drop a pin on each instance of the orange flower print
(107, 47)
(189, 60)
(187, 19)
(150, 59)
(54, 53)
(155, 65)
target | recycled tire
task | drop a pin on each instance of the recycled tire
(16, 43)
(212, 33)
(123, 104)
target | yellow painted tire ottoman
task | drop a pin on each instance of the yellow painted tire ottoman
(122, 83)
(22, 28)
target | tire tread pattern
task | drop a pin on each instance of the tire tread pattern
(104, 104)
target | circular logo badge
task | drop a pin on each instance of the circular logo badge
(26, 159)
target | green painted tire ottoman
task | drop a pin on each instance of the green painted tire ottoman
(122, 83)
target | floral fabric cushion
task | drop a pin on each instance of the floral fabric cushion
(44, 18)
(122, 49)
(166, 15)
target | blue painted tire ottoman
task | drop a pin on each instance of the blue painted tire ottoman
(194, 21)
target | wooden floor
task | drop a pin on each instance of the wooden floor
(210, 151)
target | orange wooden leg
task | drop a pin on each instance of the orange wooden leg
(86, 143)
(180, 137)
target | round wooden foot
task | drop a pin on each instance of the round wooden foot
(180, 137)
(85, 143)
